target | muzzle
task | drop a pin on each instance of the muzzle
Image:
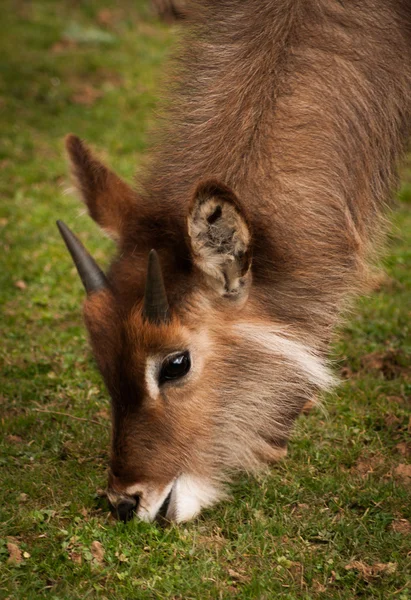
(125, 509)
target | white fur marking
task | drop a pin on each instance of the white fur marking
(190, 494)
(147, 510)
(151, 377)
(150, 499)
(296, 352)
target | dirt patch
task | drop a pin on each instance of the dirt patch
(214, 541)
(392, 421)
(401, 526)
(63, 46)
(346, 372)
(390, 364)
(103, 414)
(87, 92)
(14, 439)
(299, 510)
(367, 465)
(110, 18)
(318, 587)
(376, 465)
(402, 472)
(404, 449)
(397, 400)
(86, 95)
(382, 282)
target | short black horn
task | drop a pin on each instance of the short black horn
(156, 309)
(90, 273)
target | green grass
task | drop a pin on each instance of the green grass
(290, 533)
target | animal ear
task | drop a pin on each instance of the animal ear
(220, 238)
(109, 200)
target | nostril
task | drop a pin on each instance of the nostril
(126, 508)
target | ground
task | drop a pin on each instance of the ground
(331, 521)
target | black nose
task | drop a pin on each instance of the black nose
(125, 509)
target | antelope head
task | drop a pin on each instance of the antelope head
(202, 382)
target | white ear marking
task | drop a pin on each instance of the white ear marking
(220, 238)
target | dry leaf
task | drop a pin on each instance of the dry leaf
(108, 17)
(212, 541)
(382, 281)
(388, 363)
(20, 284)
(103, 414)
(14, 439)
(319, 587)
(401, 526)
(237, 576)
(296, 569)
(121, 557)
(346, 372)
(308, 406)
(97, 551)
(63, 45)
(234, 574)
(371, 571)
(76, 557)
(86, 95)
(391, 420)
(333, 577)
(14, 553)
(385, 568)
(395, 399)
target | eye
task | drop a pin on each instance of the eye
(174, 367)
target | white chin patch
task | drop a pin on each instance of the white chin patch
(189, 496)
(151, 503)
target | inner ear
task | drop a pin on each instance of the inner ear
(220, 238)
(109, 200)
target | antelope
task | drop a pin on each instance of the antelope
(256, 223)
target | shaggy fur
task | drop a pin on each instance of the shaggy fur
(293, 114)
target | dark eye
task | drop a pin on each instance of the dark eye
(175, 367)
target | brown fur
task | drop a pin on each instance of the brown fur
(296, 112)
(303, 108)
(109, 200)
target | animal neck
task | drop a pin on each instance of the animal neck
(304, 113)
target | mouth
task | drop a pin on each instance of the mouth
(163, 510)
(144, 503)
(181, 500)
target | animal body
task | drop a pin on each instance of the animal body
(240, 249)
